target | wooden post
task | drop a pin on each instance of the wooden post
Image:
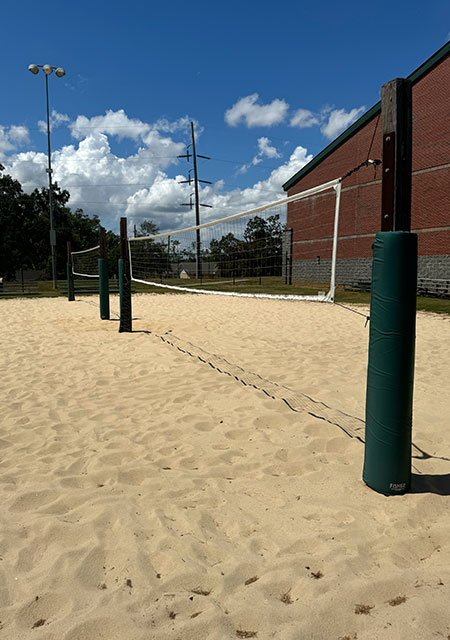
(125, 325)
(70, 283)
(396, 119)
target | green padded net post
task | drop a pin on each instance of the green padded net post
(390, 376)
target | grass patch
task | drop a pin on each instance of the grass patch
(269, 285)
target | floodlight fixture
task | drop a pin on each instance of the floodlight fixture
(33, 68)
(60, 72)
(47, 69)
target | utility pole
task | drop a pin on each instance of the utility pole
(197, 204)
(197, 208)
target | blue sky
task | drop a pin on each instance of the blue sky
(268, 85)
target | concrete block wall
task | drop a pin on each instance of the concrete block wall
(350, 270)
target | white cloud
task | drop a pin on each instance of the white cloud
(118, 124)
(161, 202)
(265, 150)
(19, 134)
(303, 119)
(56, 120)
(98, 180)
(11, 138)
(5, 142)
(262, 192)
(162, 124)
(256, 115)
(113, 123)
(339, 120)
(137, 185)
(28, 168)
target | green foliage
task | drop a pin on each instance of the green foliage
(112, 253)
(12, 218)
(258, 254)
(25, 227)
(147, 228)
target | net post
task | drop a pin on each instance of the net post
(70, 283)
(337, 189)
(390, 373)
(103, 276)
(125, 325)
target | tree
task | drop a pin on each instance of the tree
(264, 245)
(13, 232)
(257, 254)
(147, 228)
(25, 226)
(228, 253)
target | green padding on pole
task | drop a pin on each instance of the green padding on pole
(390, 375)
(104, 288)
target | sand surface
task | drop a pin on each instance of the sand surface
(200, 478)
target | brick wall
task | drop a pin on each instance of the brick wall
(360, 215)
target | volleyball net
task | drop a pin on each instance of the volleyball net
(85, 263)
(91, 263)
(250, 254)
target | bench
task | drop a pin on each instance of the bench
(358, 285)
(433, 287)
(428, 287)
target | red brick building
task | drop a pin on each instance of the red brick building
(360, 214)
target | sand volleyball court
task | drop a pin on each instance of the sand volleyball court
(200, 478)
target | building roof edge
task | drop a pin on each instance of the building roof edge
(415, 76)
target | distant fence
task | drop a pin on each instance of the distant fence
(87, 286)
(30, 288)
(24, 288)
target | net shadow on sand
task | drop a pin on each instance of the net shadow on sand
(352, 426)
(299, 402)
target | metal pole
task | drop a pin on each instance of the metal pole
(50, 192)
(197, 207)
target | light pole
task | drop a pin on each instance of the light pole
(47, 69)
